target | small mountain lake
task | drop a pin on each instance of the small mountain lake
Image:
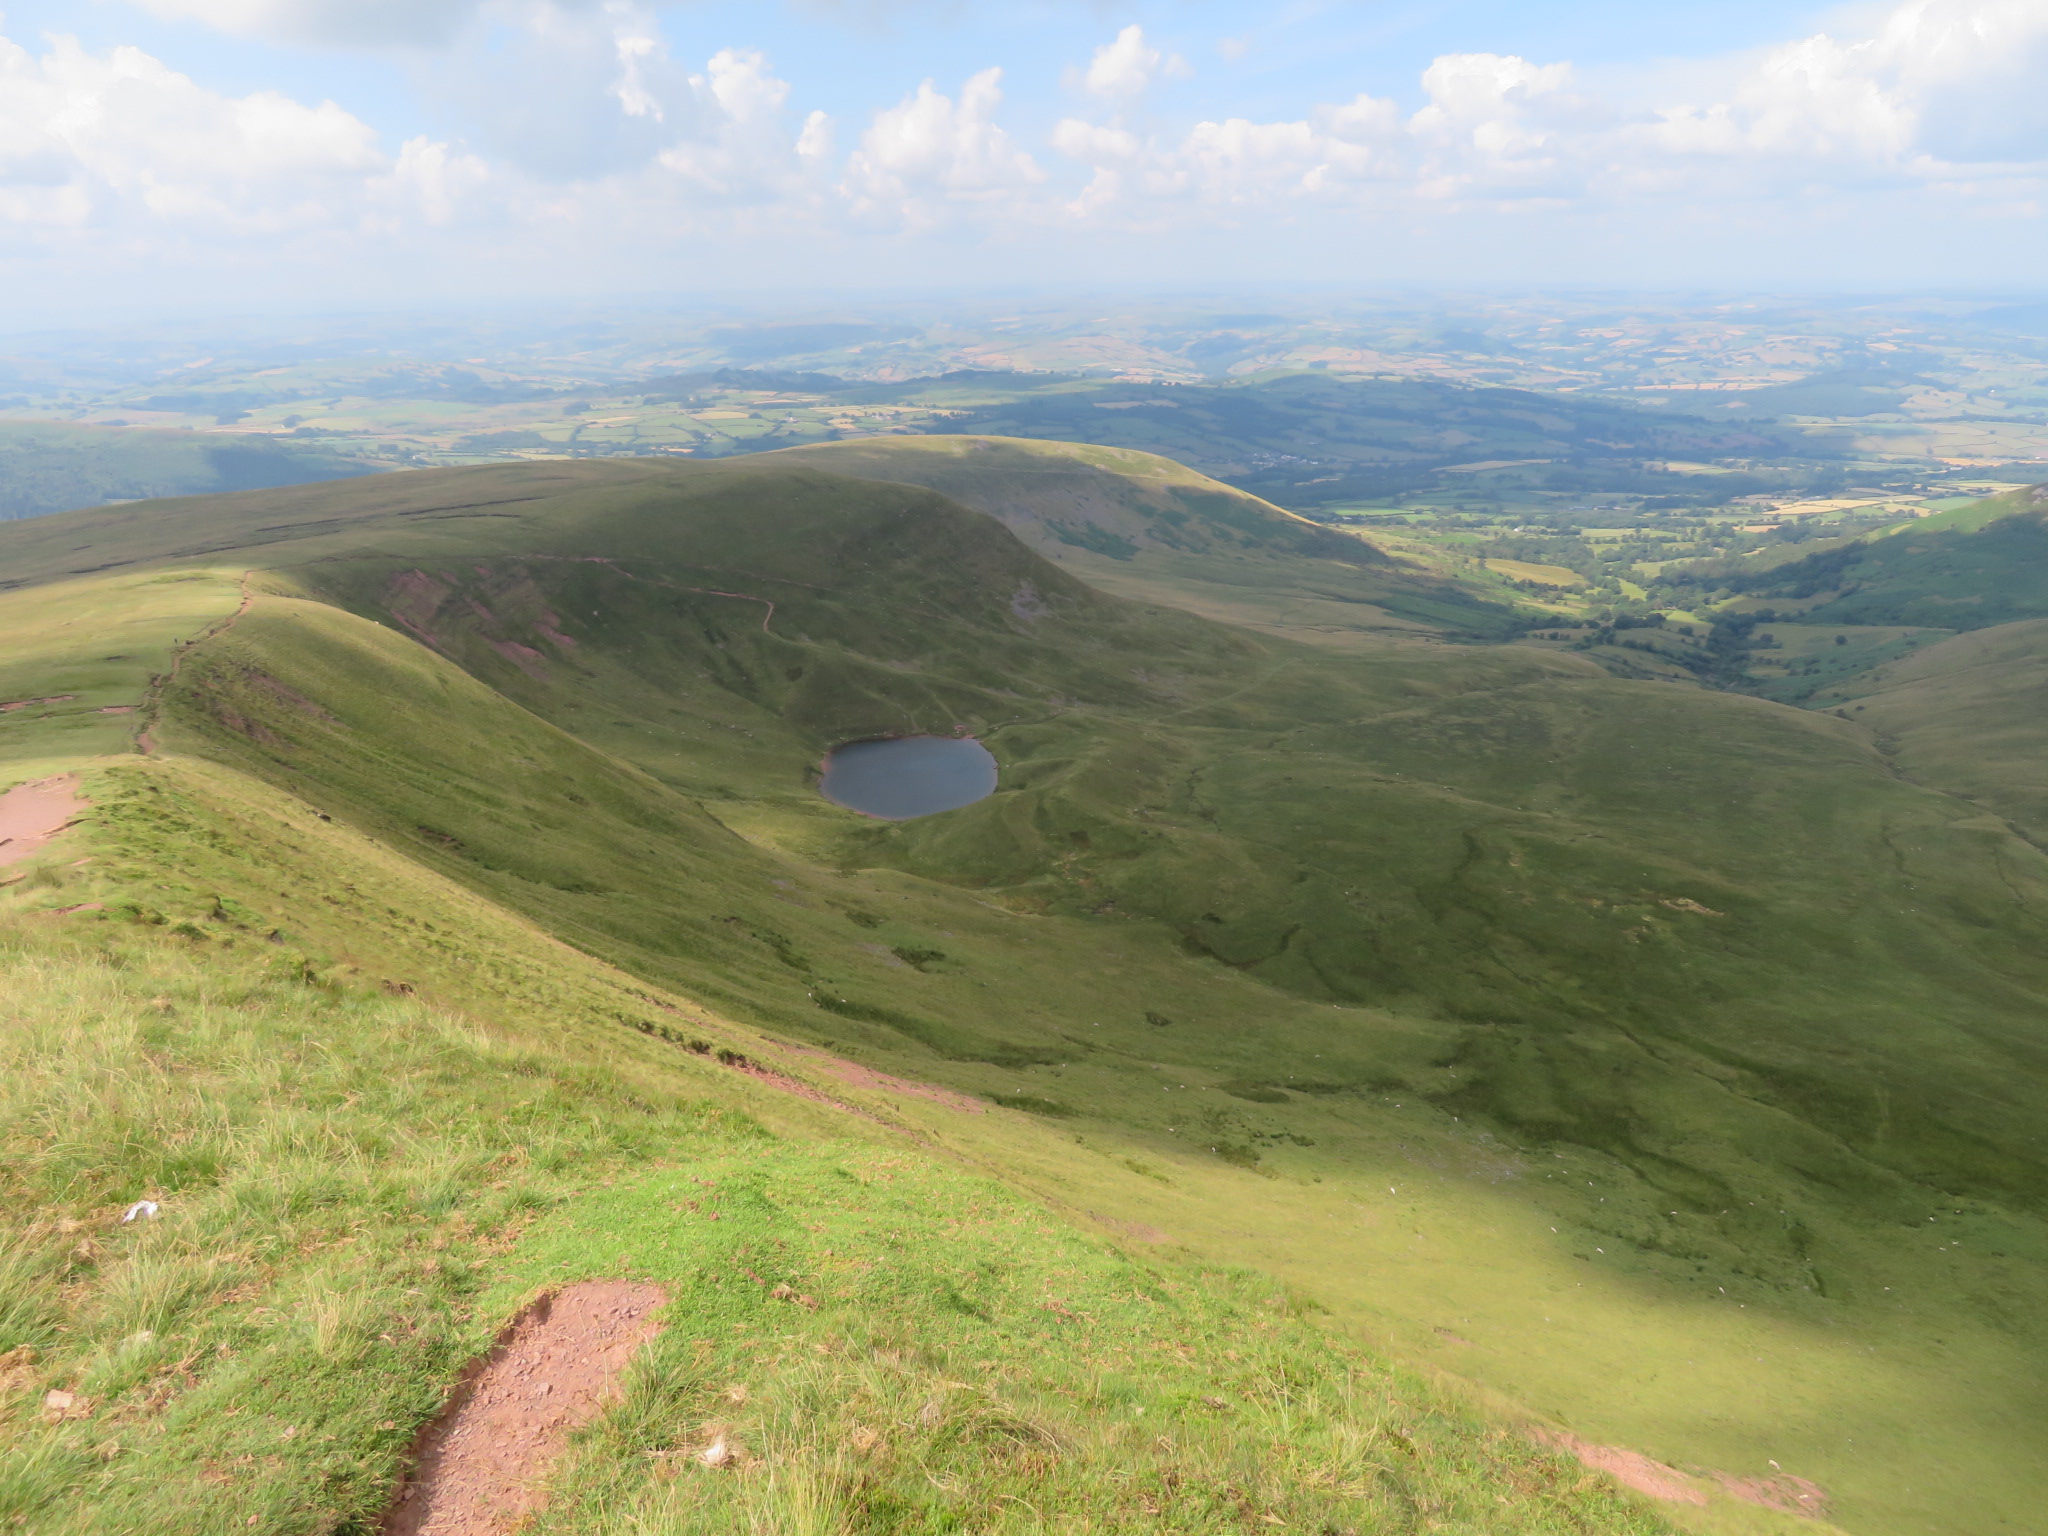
(907, 776)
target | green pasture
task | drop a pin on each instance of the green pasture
(1808, 662)
(971, 1363)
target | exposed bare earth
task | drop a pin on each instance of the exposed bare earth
(1632, 1469)
(1795, 1495)
(858, 1076)
(32, 814)
(482, 1466)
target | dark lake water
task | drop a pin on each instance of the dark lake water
(909, 775)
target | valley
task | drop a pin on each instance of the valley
(1661, 1062)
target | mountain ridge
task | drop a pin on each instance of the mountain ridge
(1664, 1012)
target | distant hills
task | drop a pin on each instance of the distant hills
(1314, 439)
(49, 467)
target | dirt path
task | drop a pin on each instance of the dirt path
(676, 586)
(145, 737)
(858, 1076)
(483, 1465)
(1632, 1469)
(31, 814)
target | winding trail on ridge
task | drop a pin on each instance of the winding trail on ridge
(676, 586)
(145, 736)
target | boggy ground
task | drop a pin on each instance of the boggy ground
(1641, 1052)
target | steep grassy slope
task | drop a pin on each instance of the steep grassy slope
(1680, 1035)
(1968, 569)
(1145, 527)
(1115, 501)
(1968, 715)
(355, 1189)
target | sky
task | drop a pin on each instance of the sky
(165, 156)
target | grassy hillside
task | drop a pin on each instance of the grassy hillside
(1968, 569)
(1969, 715)
(50, 466)
(1652, 1055)
(1145, 527)
(355, 1187)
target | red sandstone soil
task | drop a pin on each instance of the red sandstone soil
(32, 814)
(858, 1076)
(483, 1465)
(1794, 1495)
(1632, 1469)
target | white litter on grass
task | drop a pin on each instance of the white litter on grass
(146, 1209)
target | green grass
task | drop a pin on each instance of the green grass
(1644, 1041)
(1144, 527)
(80, 658)
(1801, 662)
(1965, 715)
(1967, 569)
(338, 1172)
(972, 1364)
(357, 1189)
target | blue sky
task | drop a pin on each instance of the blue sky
(164, 154)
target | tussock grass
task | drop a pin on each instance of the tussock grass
(337, 1172)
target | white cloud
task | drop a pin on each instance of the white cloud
(118, 141)
(1234, 163)
(357, 23)
(642, 58)
(568, 93)
(1810, 98)
(1124, 70)
(428, 181)
(930, 149)
(1939, 92)
(742, 150)
(1495, 124)
(815, 145)
(579, 125)
(1939, 81)
(85, 137)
